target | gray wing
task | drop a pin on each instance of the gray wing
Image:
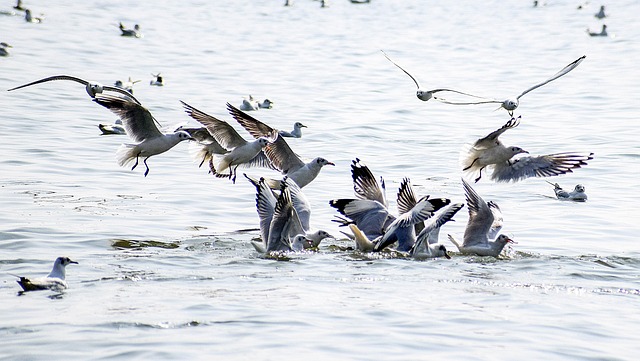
(221, 131)
(407, 200)
(300, 203)
(399, 67)
(480, 218)
(539, 166)
(365, 184)
(265, 204)
(562, 72)
(136, 119)
(424, 238)
(255, 127)
(282, 157)
(371, 217)
(285, 223)
(491, 140)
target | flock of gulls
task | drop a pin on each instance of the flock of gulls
(283, 209)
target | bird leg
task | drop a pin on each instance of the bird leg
(470, 165)
(480, 175)
(235, 173)
(135, 165)
(145, 164)
(203, 159)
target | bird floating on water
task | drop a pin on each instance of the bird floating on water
(54, 281)
(126, 85)
(3, 49)
(132, 33)
(490, 152)
(91, 87)
(577, 194)
(602, 32)
(157, 81)
(600, 14)
(28, 17)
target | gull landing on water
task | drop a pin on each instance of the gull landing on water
(54, 281)
(511, 104)
(141, 126)
(425, 95)
(478, 238)
(490, 152)
(91, 87)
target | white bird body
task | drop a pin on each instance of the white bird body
(295, 133)
(157, 81)
(578, 194)
(131, 33)
(115, 128)
(141, 126)
(54, 281)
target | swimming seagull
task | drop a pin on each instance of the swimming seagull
(133, 33)
(241, 152)
(426, 245)
(266, 196)
(280, 226)
(126, 85)
(157, 81)
(279, 153)
(490, 152)
(577, 194)
(425, 95)
(510, 104)
(19, 6)
(30, 18)
(115, 128)
(600, 14)
(91, 87)
(140, 125)
(476, 235)
(602, 32)
(295, 133)
(4, 52)
(54, 281)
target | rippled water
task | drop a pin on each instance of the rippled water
(166, 268)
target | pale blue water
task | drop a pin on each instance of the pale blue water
(166, 273)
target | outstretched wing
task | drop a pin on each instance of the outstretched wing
(562, 72)
(365, 184)
(539, 166)
(221, 131)
(136, 119)
(255, 127)
(491, 140)
(480, 218)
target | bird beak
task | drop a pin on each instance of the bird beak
(302, 125)
(509, 240)
(73, 262)
(330, 163)
(446, 255)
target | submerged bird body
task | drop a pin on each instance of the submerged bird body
(54, 281)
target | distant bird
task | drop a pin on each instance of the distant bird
(91, 87)
(141, 126)
(280, 226)
(510, 104)
(115, 128)
(241, 153)
(133, 33)
(602, 32)
(577, 194)
(54, 281)
(427, 244)
(324, 3)
(32, 19)
(279, 153)
(19, 6)
(295, 133)
(126, 85)
(288, 3)
(600, 14)
(425, 95)
(476, 235)
(490, 152)
(360, 1)
(250, 104)
(3, 49)
(157, 81)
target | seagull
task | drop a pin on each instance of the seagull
(158, 80)
(4, 52)
(600, 14)
(279, 153)
(140, 125)
(490, 152)
(91, 87)
(265, 196)
(266, 104)
(205, 145)
(426, 245)
(476, 235)
(511, 104)
(133, 33)
(249, 104)
(19, 6)
(115, 128)
(602, 32)
(30, 18)
(54, 281)
(280, 226)
(295, 133)
(577, 194)
(126, 85)
(241, 152)
(425, 95)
